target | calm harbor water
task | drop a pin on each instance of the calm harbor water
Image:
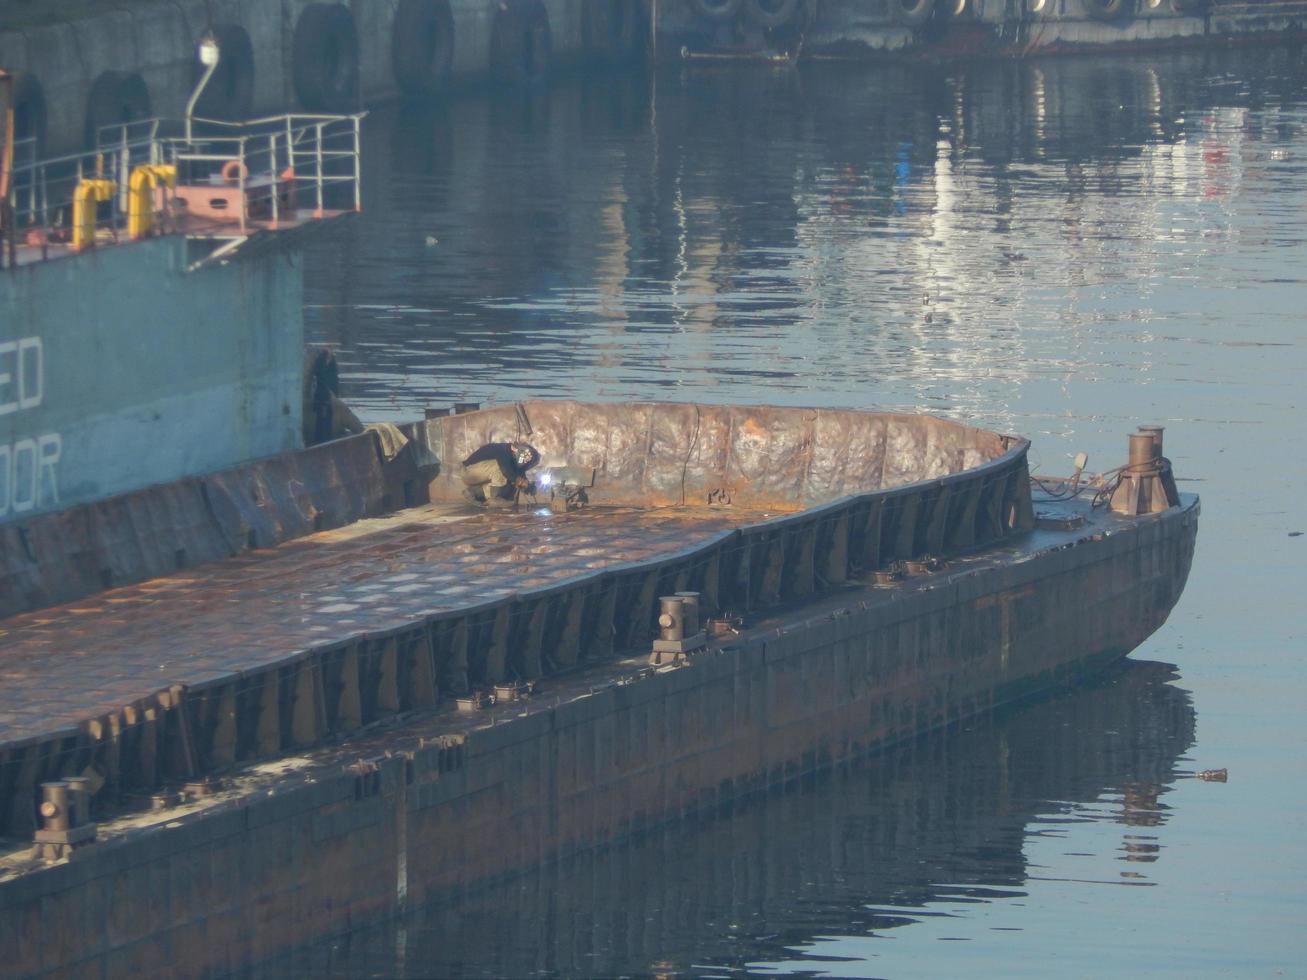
(1061, 248)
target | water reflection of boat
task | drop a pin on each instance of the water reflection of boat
(872, 848)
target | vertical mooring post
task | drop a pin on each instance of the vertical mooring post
(690, 611)
(1146, 485)
(679, 631)
(65, 818)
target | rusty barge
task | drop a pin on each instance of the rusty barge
(326, 687)
(257, 688)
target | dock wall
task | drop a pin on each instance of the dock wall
(327, 850)
(80, 68)
(139, 59)
(190, 372)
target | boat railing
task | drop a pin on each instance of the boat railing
(278, 165)
(43, 189)
(226, 181)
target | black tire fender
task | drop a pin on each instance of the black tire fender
(1107, 10)
(30, 114)
(230, 92)
(611, 30)
(771, 13)
(521, 43)
(422, 46)
(716, 9)
(325, 58)
(115, 97)
(911, 13)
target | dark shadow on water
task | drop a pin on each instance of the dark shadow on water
(864, 850)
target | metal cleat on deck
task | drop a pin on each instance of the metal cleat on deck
(65, 817)
(1146, 484)
(678, 626)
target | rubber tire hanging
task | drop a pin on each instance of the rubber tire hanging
(911, 14)
(30, 116)
(325, 58)
(1107, 10)
(771, 13)
(716, 9)
(230, 92)
(611, 30)
(116, 97)
(521, 43)
(422, 46)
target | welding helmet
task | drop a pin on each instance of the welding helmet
(523, 455)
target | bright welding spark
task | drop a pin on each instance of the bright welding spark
(546, 478)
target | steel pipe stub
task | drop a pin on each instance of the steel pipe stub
(690, 611)
(65, 817)
(678, 627)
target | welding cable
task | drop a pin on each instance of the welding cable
(1112, 478)
(1051, 494)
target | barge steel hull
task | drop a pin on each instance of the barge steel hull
(297, 850)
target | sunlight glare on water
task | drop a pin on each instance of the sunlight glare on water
(1061, 248)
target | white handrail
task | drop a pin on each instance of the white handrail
(320, 151)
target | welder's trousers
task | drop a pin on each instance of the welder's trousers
(485, 479)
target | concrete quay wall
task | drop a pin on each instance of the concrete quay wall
(329, 849)
(138, 59)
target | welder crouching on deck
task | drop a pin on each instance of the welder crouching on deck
(497, 471)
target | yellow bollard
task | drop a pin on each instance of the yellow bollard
(140, 196)
(89, 193)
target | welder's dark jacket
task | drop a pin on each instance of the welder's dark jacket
(502, 453)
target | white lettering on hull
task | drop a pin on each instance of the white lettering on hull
(29, 475)
(22, 374)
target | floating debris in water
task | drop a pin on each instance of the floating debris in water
(1214, 775)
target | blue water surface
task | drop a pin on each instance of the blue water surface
(1060, 248)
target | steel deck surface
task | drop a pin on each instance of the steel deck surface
(64, 665)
